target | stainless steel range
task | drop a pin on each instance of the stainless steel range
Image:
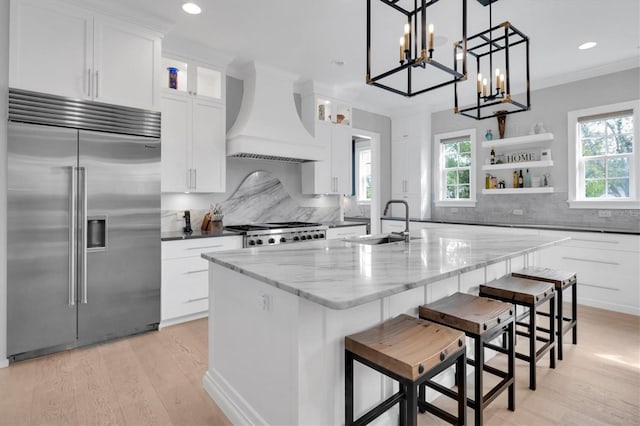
(260, 234)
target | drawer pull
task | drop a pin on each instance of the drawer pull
(591, 260)
(198, 299)
(206, 247)
(196, 272)
(595, 241)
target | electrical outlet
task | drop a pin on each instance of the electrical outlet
(518, 212)
(264, 302)
(604, 213)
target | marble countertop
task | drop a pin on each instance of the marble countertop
(179, 235)
(340, 274)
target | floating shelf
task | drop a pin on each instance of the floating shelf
(518, 140)
(522, 165)
(538, 190)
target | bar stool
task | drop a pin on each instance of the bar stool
(531, 295)
(410, 351)
(484, 320)
(562, 280)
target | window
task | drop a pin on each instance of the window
(604, 157)
(363, 171)
(456, 168)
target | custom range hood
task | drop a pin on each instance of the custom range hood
(268, 126)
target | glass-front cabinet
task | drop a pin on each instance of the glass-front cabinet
(191, 77)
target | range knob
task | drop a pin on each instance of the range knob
(296, 238)
(272, 241)
(283, 240)
(321, 236)
(303, 237)
(259, 242)
(252, 243)
(315, 236)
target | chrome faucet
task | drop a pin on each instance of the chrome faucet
(405, 234)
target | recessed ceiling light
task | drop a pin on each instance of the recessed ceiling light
(587, 45)
(191, 8)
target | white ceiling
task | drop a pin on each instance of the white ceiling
(305, 36)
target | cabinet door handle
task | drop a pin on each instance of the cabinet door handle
(196, 272)
(197, 299)
(89, 82)
(195, 178)
(590, 260)
(205, 247)
(97, 83)
(188, 178)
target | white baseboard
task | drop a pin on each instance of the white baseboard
(626, 309)
(4, 363)
(237, 410)
(180, 320)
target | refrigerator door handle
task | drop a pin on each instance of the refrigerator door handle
(83, 231)
(72, 235)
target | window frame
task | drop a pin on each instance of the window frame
(364, 145)
(440, 179)
(575, 173)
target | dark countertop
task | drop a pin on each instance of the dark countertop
(179, 235)
(527, 226)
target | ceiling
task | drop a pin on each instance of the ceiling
(307, 37)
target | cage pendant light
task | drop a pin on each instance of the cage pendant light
(491, 48)
(417, 53)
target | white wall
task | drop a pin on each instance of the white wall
(4, 85)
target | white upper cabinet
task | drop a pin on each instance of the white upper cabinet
(193, 144)
(333, 175)
(193, 128)
(64, 50)
(406, 160)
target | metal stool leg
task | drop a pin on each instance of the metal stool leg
(532, 347)
(478, 388)
(411, 405)
(511, 364)
(348, 388)
(461, 365)
(560, 322)
(552, 331)
(574, 311)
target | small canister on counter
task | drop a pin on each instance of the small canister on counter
(173, 77)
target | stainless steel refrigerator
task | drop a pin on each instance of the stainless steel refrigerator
(83, 226)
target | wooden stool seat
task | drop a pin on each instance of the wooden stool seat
(562, 280)
(406, 345)
(466, 312)
(531, 295)
(517, 290)
(483, 320)
(411, 351)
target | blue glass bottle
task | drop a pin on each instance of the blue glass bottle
(488, 136)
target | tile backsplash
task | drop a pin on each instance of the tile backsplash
(539, 209)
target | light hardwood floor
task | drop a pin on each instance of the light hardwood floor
(156, 379)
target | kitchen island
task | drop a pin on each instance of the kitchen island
(278, 315)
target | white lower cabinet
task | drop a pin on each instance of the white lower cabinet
(185, 286)
(608, 268)
(346, 232)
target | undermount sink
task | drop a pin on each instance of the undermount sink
(375, 240)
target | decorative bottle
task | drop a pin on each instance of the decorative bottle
(520, 180)
(492, 156)
(488, 136)
(515, 178)
(527, 179)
